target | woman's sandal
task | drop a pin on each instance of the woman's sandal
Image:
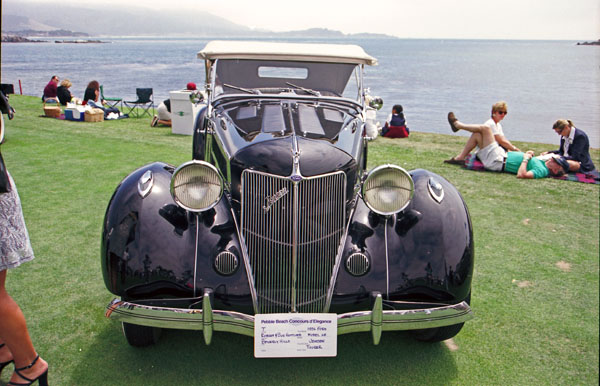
(454, 161)
(42, 378)
(4, 364)
(451, 119)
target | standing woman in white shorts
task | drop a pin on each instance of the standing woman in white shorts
(15, 248)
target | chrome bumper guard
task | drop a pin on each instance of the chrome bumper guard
(208, 320)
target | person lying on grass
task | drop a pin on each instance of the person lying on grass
(499, 111)
(495, 158)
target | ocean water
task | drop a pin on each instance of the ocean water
(541, 80)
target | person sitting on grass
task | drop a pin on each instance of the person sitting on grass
(50, 89)
(163, 111)
(495, 158)
(395, 126)
(499, 111)
(163, 116)
(574, 146)
(92, 98)
(64, 94)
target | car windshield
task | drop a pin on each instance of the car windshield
(304, 118)
(284, 77)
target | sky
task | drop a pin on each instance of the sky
(460, 19)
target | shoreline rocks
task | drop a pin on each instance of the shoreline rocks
(18, 39)
(596, 43)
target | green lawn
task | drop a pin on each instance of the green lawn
(535, 289)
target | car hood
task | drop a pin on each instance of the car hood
(276, 156)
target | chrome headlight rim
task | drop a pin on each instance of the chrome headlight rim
(196, 163)
(373, 174)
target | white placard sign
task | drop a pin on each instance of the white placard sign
(295, 335)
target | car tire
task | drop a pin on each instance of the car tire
(140, 336)
(439, 334)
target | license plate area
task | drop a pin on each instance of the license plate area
(295, 335)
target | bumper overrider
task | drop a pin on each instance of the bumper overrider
(208, 320)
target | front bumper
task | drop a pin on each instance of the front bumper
(208, 320)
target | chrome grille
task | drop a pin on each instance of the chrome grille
(292, 231)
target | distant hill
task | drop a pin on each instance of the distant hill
(23, 23)
(26, 19)
(113, 21)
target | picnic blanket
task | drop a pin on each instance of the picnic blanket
(593, 177)
(62, 117)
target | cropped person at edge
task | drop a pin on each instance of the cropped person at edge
(15, 248)
(499, 111)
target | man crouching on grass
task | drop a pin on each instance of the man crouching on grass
(495, 158)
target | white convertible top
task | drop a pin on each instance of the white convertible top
(306, 52)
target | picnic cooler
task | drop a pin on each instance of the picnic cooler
(52, 108)
(94, 115)
(74, 114)
(183, 112)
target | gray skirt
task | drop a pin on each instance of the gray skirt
(15, 247)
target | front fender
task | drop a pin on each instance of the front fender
(422, 254)
(152, 248)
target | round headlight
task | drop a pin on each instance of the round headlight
(196, 186)
(388, 189)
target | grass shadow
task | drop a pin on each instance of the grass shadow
(181, 357)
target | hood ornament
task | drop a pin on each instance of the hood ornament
(296, 175)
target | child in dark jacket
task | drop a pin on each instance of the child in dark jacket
(395, 126)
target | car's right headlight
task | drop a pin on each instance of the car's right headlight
(388, 189)
(196, 186)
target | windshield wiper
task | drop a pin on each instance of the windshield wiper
(306, 90)
(249, 91)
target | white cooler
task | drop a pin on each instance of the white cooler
(183, 112)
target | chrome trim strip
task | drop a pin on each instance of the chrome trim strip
(295, 228)
(376, 320)
(246, 259)
(387, 262)
(196, 253)
(338, 260)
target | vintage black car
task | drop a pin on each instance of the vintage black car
(277, 215)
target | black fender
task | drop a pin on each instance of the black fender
(422, 254)
(153, 249)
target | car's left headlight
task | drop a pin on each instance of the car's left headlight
(196, 186)
(388, 189)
